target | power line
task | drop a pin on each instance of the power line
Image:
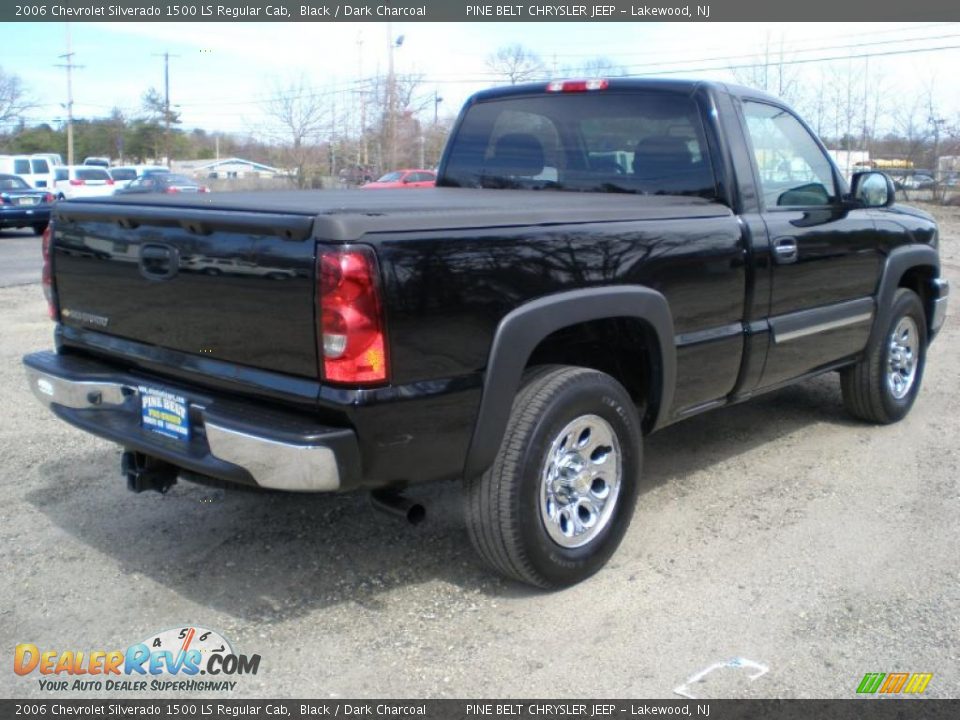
(487, 76)
(804, 61)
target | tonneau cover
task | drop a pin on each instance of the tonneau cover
(348, 215)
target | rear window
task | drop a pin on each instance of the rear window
(92, 174)
(11, 182)
(645, 143)
(171, 179)
(123, 173)
(21, 167)
(40, 166)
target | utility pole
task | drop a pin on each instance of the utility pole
(69, 65)
(391, 115)
(362, 155)
(436, 105)
(866, 100)
(166, 103)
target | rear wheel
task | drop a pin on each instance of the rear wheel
(882, 387)
(559, 497)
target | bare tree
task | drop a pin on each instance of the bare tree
(770, 72)
(595, 67)
(13, 98)
(910, 126)
(848, 93)
(398, 134)
(302, 116)
(515, 63)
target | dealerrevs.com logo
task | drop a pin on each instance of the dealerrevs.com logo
(182, 659)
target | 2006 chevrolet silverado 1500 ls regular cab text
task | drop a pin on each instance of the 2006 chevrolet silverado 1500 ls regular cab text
(599, 260)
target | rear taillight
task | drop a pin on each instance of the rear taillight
(110, 181)
(351, 331)
(577, 85)
(48, 198)
(4, 199)
(78, 182)
(172, 190)
(203, 188)
(49, 288)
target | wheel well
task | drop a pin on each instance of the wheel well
(918, 279)
(624, 348)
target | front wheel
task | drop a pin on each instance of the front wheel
(559, 497)
(882, 387)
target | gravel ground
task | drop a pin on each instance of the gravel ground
(778, 531)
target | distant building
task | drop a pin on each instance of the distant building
(225, 169)
(947, 164)
(849, 161)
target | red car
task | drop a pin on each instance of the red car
(404, 179)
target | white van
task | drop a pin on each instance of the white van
(36, 171)
(75, 181)
(55, 158)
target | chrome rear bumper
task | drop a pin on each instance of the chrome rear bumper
(245, 444)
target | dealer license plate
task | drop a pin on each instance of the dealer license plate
(27, 201)
(164, 413)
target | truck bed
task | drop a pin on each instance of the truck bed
(348, 215)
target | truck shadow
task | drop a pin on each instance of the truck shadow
(268, 557)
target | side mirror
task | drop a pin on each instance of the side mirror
(873, 189)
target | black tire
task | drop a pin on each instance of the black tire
(867, 393)
(40, 228)
(503, 505)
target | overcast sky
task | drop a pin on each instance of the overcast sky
(222, 72)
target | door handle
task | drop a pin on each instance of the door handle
(785, 250)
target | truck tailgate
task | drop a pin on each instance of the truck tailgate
(232, 286)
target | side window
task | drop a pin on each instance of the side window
(21, 167)
(40, 166)
(61, 174)
(794, 172)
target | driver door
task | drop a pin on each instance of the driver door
(826, 257)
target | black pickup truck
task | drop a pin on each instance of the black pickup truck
(599, 260)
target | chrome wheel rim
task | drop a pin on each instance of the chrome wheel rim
(902, 357)
(580, 481)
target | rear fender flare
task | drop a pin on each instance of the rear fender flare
(519, 332)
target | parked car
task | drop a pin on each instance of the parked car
(123, 174)
(919, 182)
(167, 183)
(522, 326)
(403, 179)
(79, 181)
(22, 205)
(103, 162)
(37, 171)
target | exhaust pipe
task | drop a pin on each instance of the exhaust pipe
(145, 472)
(395, 504)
